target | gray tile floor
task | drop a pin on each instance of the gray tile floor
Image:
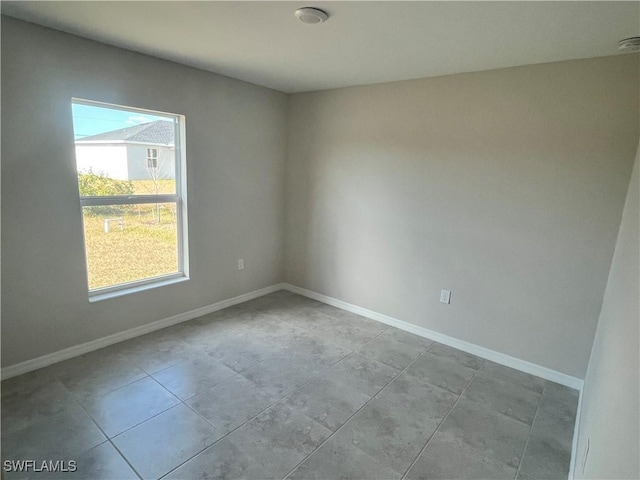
(283, 386)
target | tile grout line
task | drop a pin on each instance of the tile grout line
(535, 416)
(236, 374)
(76, 400)
(147, 374)
(373, 397)
(433, 434)
(155, 415)
(287, 394)
(75, 397)
(147, 419)
(183, 402)
(125, 458)
(108, 439)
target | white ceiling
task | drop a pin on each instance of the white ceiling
(361, 43)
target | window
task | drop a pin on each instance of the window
(152, 158)
(131, 179)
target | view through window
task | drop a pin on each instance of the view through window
(130, 177)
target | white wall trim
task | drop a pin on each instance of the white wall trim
(486, 353)
(576, 433)
(501, 358)
(67, 353)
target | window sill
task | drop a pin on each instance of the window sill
(98, 297)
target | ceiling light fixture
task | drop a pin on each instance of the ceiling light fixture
(631, 44)
(311, 15)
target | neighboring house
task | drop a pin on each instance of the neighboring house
(140, 152)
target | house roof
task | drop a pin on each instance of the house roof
(158, 132)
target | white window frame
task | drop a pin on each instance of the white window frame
(179, 198)
(152, 154)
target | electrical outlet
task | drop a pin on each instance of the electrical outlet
(445, 296)
(241, 264)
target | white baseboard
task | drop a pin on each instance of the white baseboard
(501, 358)
(67, 353)
(486, 353)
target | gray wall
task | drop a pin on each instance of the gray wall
(235, 155)
(610, 419)
(506, 187)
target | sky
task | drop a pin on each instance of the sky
(91, 120)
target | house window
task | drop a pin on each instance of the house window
(152, 158)
(131, 179)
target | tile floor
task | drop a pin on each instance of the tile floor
(283, 386)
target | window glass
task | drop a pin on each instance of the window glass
(115, 143)
(131, 182)
(125, 243)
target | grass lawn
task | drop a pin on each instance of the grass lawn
(147, 187)
(143, 248)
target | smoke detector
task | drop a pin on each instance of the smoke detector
(631, 44)
(311, 15)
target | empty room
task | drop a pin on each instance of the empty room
(320, 240)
